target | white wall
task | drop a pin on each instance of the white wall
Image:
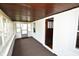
(40, 30)
(65, 31)
(64, 35)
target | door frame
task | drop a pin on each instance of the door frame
(46, 26)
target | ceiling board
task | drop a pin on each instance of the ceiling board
(34, 11)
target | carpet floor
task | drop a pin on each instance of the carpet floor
(30, 47)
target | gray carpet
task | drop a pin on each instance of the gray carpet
(30, 47)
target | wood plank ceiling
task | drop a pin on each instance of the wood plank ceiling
(34, 11)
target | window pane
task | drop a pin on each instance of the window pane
(17, 25)
(5, 29)
(0, 38)
(29, 27)
(18, 30)
(24, 32)
(24, 26)
(50, 24)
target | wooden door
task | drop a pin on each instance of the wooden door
(49, 32)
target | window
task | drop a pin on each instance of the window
(0, 38)
(5, 29)
(24, 26)
(29, 27)
(18, 30)
(18, 25)
(24, 32)
(1, 32)
(50, 24)
(21, 28)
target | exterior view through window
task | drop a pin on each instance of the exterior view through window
(22, 29)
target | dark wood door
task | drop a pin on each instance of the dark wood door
(77, 42)
(49, 32)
